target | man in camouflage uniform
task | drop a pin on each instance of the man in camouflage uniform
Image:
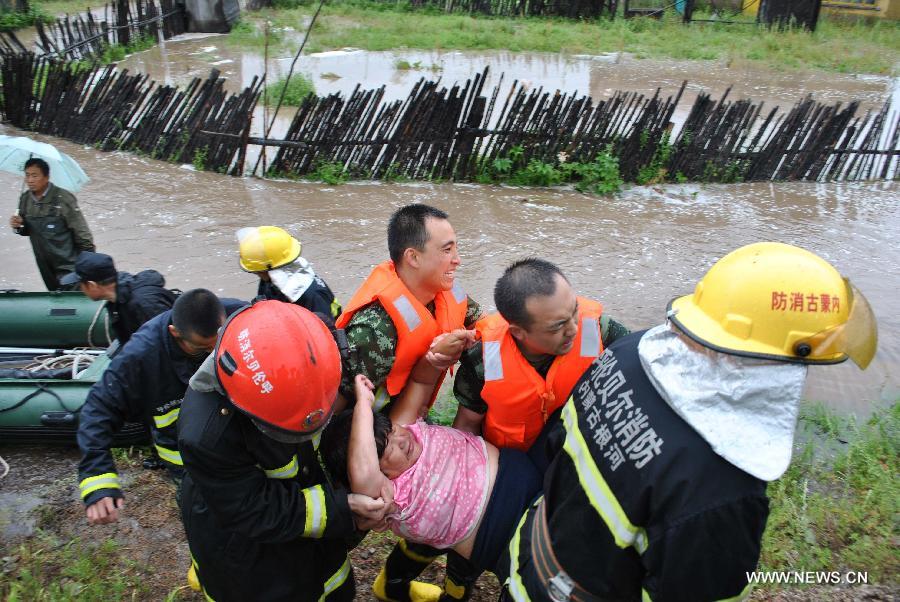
(423, 251)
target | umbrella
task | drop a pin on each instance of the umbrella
(64, 171)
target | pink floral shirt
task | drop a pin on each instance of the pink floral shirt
(440, 498)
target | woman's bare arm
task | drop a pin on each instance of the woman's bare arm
(362, 456)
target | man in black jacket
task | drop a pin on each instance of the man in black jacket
(262, 521)
(657, 487)
(145, 382)
(130, 299)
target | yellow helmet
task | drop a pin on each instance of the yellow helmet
(266, 248)
(777, 301)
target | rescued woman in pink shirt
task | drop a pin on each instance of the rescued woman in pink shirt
(450, 489)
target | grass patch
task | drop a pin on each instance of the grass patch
(13, 20)
(841, 511)
(295, 91)
(46, 569)
(837, 45)
(600, 176)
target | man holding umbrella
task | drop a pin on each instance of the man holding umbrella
(50, 217)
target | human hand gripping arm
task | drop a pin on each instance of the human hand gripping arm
(446, 348)
(413, 401)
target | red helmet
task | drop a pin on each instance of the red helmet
(279, 364)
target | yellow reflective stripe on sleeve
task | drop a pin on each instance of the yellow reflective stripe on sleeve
(335, 308)
(167, 419)
(381, 399)
(169, 455)
(316, 512)
(595, 487)
(336, 580)
(288, 471)
(317, 439)
(514, 582)
(645, 597)
(107, 480)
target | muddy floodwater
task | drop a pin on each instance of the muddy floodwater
(177, 61)
(634, 252)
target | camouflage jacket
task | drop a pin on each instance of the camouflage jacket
(373, 339)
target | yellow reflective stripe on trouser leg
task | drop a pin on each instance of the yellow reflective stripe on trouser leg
(336, 580)
(595, 487)
(288, 471)
(107, 480)
(166, 419)
(514, 582)
(196, 566)
(404, 547)
(169, 455)
(316, 512)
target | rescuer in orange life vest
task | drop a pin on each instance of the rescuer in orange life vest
(530, 355)
(390, 324)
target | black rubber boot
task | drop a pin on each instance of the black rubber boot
(460, 580)
(395, 582)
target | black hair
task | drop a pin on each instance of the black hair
(335, 445)
(406, 228)
(525, 278)
(198, 311)
(40, 163)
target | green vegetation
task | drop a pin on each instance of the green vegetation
(404, 65)
(200, 156)
(49, 570)
(837, 45)
(600, 176)
(838, 505)
(11, 21)
(295, 91)
(330, 173)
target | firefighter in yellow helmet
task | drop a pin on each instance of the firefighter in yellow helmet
(274, 256)
(657, 490)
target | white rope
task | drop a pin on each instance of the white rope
(5, 467)
(90, 330)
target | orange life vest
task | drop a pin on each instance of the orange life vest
(520, 401)
(416, 327)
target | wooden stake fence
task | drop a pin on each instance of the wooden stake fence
(454, 133)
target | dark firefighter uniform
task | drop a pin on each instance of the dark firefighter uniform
(139, 297)
(636, 505)
(57, 230)
(261, 520)
(317, 298)
(145, 382)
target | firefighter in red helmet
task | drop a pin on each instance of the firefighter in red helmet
(261, 519)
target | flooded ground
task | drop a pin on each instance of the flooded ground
(179, 60)
(634, 252)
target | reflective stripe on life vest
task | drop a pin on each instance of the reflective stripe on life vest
(595, 487)
(316, 512)
(107, 480)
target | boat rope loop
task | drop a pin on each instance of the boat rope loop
(90, 330)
